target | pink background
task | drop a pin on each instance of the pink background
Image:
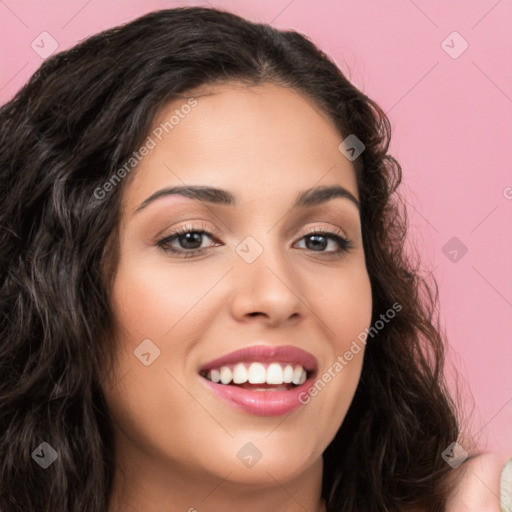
(452, 120)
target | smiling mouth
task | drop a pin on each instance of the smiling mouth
(258, 376)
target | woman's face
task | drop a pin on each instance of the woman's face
(258, 280)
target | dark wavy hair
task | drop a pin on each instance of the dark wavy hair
(79, 117)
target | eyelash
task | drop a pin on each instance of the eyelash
(164, 243)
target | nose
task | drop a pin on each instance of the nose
(266, 290)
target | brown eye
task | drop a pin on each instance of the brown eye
(185, 240)
(318, 241)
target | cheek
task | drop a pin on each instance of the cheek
(342, 302)
(150, 298)
(147, 401)
(344, 309)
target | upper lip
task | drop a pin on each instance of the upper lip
(266, 354)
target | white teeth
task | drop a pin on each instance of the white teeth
(297, 374)
(239, 374)
(287, 374)
(276, 374)
(225, 375)
(257, 374)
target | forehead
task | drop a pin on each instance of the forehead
(251, 139)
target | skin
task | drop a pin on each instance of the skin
(479, 488)
(175, 441)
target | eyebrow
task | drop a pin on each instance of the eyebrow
(306, 199)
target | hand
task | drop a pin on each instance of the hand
(479, 488)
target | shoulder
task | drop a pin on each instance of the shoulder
(478, 489)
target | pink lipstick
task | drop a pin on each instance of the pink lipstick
(261, 380)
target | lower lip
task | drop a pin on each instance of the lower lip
(260, 403)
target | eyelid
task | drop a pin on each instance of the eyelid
(332, 230)
(344, 243)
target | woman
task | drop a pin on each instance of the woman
(206, 300)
